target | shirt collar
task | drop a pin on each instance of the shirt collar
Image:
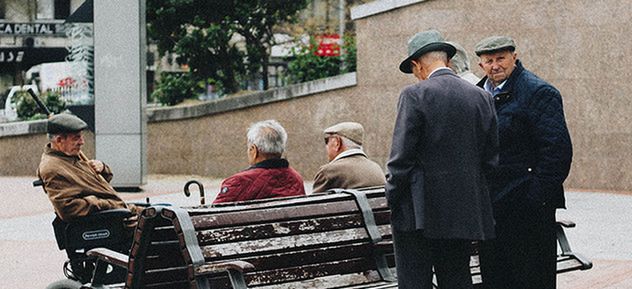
(437, 69)
(489, 87)
(349, 152)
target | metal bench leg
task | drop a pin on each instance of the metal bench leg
(237, 279)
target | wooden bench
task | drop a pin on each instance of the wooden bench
(339, 240)
(320, 241)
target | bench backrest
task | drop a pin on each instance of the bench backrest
(316, 241)
(159, 257)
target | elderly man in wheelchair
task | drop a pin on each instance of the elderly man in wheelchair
(89, 212)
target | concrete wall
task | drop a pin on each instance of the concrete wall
(581, 47)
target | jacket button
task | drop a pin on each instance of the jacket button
(497, 97)
(529, 169)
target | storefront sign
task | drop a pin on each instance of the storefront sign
(11, 56)
(41, 29)
(29, 56)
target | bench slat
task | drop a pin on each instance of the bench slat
(289, 242)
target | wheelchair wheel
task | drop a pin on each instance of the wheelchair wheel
(64, 284)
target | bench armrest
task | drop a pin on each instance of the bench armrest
(216, 267)
(109, 256)
(234, 268)
(566, 223)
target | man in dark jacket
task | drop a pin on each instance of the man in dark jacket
(269, 175)
(348, 167)
(526, 187)
(444, 143)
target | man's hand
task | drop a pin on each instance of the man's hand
(96, 165)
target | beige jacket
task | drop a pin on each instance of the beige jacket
(73, 188)
(349, 170)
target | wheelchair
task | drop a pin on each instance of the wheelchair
(101, 229)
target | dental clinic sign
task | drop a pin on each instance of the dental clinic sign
(33, 29)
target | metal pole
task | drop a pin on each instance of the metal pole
(341, 30)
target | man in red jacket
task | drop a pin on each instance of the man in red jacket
(269, 175)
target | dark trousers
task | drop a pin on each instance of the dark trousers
(415, 256)
(524, 253)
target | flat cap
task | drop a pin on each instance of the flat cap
(351, 130)
(494, 44)
(65, 123)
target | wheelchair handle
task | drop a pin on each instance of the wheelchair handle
(200, 188)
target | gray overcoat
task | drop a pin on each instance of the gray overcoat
(444, 143)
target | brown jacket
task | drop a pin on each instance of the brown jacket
(349, 170)
(73, 188)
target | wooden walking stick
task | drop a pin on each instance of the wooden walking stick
(49, 114)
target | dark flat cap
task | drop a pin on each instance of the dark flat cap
(65, 123)
(422, 43)
(494, 44)
(351, 130)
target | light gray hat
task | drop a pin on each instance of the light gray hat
(494, 44)
(424, 42)
(65, 123)
(351, 130)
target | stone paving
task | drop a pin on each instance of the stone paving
(30, 258)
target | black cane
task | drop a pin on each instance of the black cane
(39, 102)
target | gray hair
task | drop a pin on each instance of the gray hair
(460, 62)
(433, 56)
(268, 135)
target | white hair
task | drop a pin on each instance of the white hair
(268, 135)
(432, 56)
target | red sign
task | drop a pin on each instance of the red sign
(328, 45)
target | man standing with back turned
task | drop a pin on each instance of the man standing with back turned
(526, 187)
(444, 143)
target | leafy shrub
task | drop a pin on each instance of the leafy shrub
(27, 109)
(174, 88)
(304, 65)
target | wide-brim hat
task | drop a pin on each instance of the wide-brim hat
(422, 43)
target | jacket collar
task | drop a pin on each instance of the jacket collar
(271, 164)
(441, 71)
(52, 152)
(348, 153)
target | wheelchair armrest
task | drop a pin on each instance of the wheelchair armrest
(38, 183)
(112, 214)
(110, 257)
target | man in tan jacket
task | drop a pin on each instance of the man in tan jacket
(348, 167)
(75, 186)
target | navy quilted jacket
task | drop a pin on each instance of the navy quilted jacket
(535, 146)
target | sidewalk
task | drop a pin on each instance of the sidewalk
(30, 258)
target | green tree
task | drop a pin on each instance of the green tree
(203, 34)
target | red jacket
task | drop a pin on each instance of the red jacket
(268, 179)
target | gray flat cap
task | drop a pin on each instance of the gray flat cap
(351, 130)
(422, 43)
(65, 123)
(494, 44)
